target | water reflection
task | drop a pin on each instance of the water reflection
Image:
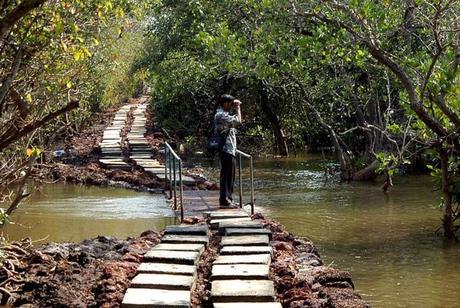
(66, 212)
(386, 241)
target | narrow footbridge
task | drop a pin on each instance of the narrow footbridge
(240, 274)
(239, 245)
(240, 271)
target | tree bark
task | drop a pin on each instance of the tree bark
(14, 133)
(368, 173)
(6, 84)
(346, 166)
(408, 25)
(361, 121)
(272, 117)
(20, 193)
(448, 216)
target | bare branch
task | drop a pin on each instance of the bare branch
(16, 14)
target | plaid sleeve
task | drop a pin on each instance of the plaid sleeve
(225, 121)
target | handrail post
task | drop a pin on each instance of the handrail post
(175, 188)
(181, 192)
(240, 182)
(176, 162)
(252, 185)
(166, 168)
(170, 175)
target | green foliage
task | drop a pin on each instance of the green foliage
(4, 219)
(388, 163)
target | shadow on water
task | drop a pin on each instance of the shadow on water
(386, 241)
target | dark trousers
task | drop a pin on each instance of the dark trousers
(227, 177)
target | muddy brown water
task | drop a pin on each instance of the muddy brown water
(72, 213)
(387, 242)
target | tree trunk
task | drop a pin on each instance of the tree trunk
(448, 216)
(346, 166)
(12, 17)
(272, 117)
(368, 173)
(361, 121)
(14, 133)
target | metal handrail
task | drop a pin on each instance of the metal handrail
(251, 177)
(171, 159)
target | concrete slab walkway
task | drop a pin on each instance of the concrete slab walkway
(111, 144)
(168, 271)
(240, 274)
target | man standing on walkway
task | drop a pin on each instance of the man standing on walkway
(225, 124)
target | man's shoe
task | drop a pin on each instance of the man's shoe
(230, 205)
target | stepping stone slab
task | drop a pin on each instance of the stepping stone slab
(187, 180)
(163, 281)
(139, 157)
(228, 214)
(160, 176)
(154, 170)
(242, 291)
(215, 223)
(187, 230)
(240, 271)
(242, 231)
(136, 135)
(149, 160)
(184, 239)
(141, 151)
(166, 268)
(109, 146)
(179, 247)
(245, 240)
(112, 162)
(239, 224)
(244, 259)
(142, 298)
(152, 165)
(249, 305)
(172, 256)
(246, 250)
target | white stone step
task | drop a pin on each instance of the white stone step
(245, 240)
(246, 250)
(163, 281)
(240, 271)
(142, 298)
(166, 268)
(242, 291)
(172, 256)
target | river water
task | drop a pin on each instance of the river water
(386, 241)
(72, 213)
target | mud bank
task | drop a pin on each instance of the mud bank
(94, 273)
(97, 272)
(300, 276)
